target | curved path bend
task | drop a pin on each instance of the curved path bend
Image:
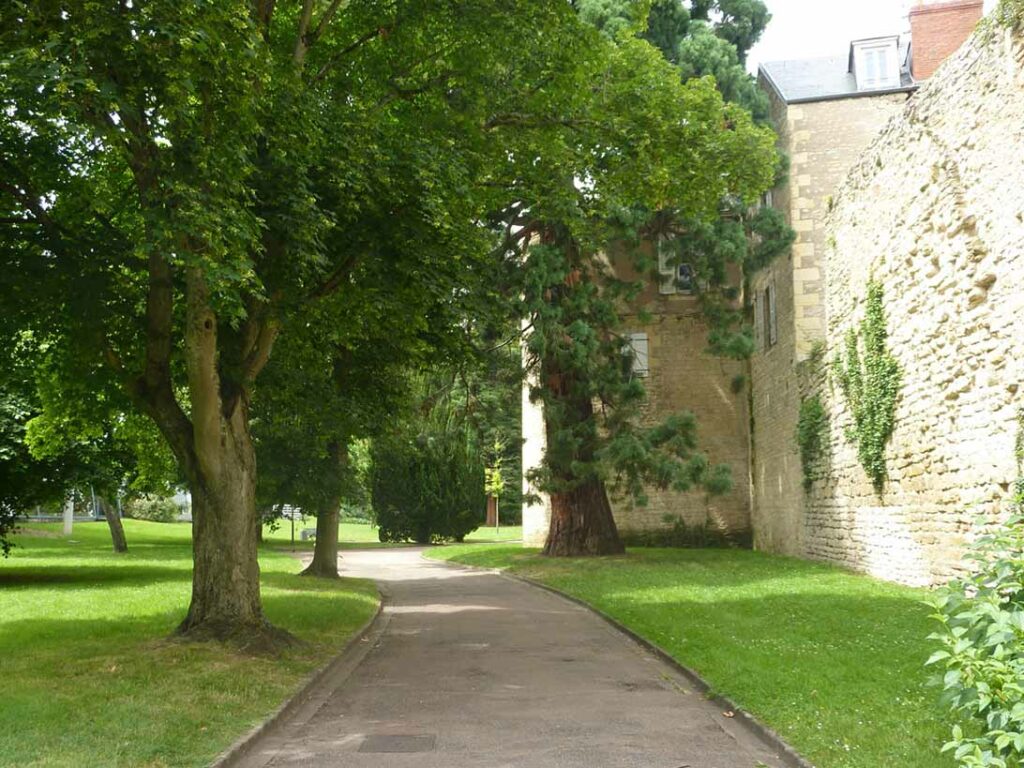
(467, 669)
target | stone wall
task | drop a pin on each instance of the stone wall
(823, 140)
(536, 506)
(935, 211)
(684, 377)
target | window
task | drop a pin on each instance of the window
(674, 279)
(637, 352)
(876, 64)
(771, 328)
(667, 284)
(686, 279)
(758, 320)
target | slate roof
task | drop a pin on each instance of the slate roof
(821, 79)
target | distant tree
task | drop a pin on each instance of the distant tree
(54, 448)
(345, 378)
(427, 474)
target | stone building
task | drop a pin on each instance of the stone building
(933, 210)
(921, 185)
(670, 353)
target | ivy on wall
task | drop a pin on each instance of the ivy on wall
(870, 379)
(1010, 13)
(810, 432)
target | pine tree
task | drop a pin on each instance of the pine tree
(595, 441)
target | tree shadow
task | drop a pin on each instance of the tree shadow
(86, 575)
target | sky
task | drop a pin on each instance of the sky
(803, 29)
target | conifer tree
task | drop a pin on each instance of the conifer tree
(595, 440)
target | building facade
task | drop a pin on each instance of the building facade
(919, 186)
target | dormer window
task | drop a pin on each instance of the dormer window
(876, 63)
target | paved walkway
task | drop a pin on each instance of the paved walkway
(472, 670)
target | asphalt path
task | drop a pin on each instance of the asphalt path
(469, 669)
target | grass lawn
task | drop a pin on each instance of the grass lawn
(356, 535)
(90, 677)
(351, 535)
(829, 659)
(488, 535)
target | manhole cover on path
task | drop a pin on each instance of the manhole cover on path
(384, 743)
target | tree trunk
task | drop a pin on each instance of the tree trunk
(325, 550)
(582, 523)
(581, 518)
(114, 523)
(226, 574)
(215, 448)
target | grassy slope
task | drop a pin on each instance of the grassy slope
(89, 676)
(830, 659)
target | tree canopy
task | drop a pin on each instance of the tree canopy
(188, 185)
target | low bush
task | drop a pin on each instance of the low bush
(429, 489)
(982, 653)
(158, 509)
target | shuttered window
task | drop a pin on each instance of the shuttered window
(771, 334)
(637, 350)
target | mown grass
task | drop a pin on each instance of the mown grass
(360, 535)
(489, 535)
(90, 675)
(351, 534)
(830, 659)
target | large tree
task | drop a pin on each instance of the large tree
(698, 151)
(179, 180)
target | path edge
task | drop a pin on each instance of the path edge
(241, 746)
(767, 735)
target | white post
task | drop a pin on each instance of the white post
(69, 514)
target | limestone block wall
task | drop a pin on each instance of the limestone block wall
(537, 513)
(683, 377)
(935, 211)
(823, 140)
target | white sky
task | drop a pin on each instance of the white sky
(803, 29)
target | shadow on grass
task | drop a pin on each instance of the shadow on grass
(307, 605)
(142, 553)
(85, 575)
(726, 569)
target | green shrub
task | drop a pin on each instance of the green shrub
(982, 654)
(158, 509)
(429, 489)
(1010, 13)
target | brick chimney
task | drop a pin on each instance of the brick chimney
(937, 29)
